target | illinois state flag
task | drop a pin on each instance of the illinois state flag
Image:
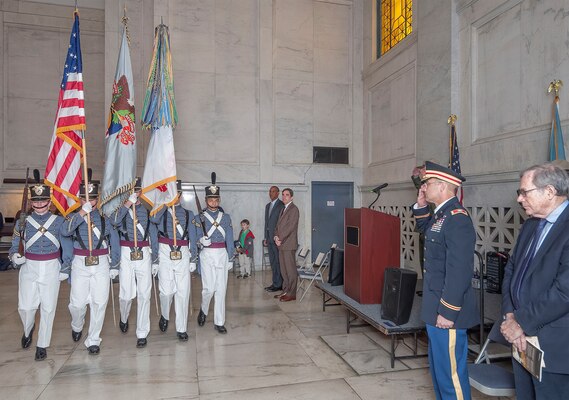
(63, 171)
(120, 157)
(160, 116)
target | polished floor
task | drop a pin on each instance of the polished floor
(272, 351)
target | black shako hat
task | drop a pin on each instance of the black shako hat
(213, 189)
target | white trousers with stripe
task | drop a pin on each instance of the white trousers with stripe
(135, 279)
(214, 264)
(89, 285)
(174, 283)
(38, 286)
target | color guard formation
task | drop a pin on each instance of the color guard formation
(90, 250)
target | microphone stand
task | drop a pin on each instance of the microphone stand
(378, 193)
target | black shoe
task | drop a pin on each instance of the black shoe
(76, 335)
(269, 288)
(163, 324)
(246, 276)
(419, 293)
(183, 336)
(141, 343)
(94, 350)
(201, 318)
(123, 326)
(275, 289)
(41, 354)
(27, 340)
(220, 328)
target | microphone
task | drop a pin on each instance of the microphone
(377, 189)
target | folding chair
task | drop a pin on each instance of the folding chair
(310, 275)
(266, 259)
(301, 258)
(491, 379)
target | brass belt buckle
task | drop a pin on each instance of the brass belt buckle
(175, 255)
(91, 260)
(136, 254)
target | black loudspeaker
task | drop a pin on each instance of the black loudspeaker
(495, 266)
(398, 294)
(336, 273)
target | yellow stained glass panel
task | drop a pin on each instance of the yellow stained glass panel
(395, 22)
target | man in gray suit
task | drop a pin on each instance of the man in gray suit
(272, 212)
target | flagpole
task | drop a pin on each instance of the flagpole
(174, 225)
(85, 179)
(450, 122)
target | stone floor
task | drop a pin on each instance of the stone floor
(272, 351)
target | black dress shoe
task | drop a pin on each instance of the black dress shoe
(183, 336)
(275, 289)
(27, 340)
(163, 324)
(94, 350)
(76, 335)
(220, 328)
(41, 354)
(141, 343)
(419, 293)
(201, 318)
(269, 288)
(123, 326)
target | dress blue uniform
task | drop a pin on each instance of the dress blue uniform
(135, 275)
(215, 259)
(39, 277)
(176, 263)
(90, 283)
(448, 268)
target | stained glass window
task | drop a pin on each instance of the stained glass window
(394, 22)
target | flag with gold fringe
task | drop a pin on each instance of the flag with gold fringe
(454, 155)
(160, 117)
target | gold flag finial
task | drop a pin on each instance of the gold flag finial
(555, 85)
(124, 20)
(452, 119)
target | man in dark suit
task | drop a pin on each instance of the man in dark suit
(286, 239)
(449, 304)
(536, 282)
(272, 211)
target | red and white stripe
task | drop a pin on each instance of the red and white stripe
(63, 171)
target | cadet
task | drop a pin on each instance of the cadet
(449, 304)
(177, 260)
(90, 277)
(40, 267)
(217, 247)
(136, 262)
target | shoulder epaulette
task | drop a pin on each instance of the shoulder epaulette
(459, 211)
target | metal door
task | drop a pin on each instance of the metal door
(329, 199)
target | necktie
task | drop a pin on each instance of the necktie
(526, 261)
(271, 208)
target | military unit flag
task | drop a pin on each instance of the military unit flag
(556, 145)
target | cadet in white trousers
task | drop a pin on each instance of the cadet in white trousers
(40, 267)
(135, 275)
(90, 277)
(177, 260)
(217, 246)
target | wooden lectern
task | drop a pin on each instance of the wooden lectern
(371, 244)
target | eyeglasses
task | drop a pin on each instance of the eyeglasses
(524, 193)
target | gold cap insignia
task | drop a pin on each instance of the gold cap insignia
(213, 189)
(38, 190)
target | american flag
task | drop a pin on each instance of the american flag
(63, 171)
(454, 159)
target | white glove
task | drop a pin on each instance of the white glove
(63, 276)
(230, 265)
(87, 207)
(133, 198)
(154, 270)
(113, 273)
(18, 259)
(205, 241)
(193, 267)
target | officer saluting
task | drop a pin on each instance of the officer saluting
(217, 248)
(40, 267)
(449, 304)
(177, 259)
(90, 277)
(137, 235)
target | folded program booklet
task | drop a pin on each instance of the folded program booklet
(532, 358)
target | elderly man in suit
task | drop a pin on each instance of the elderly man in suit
(272, 211)
(286, 239)
(536, 282)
